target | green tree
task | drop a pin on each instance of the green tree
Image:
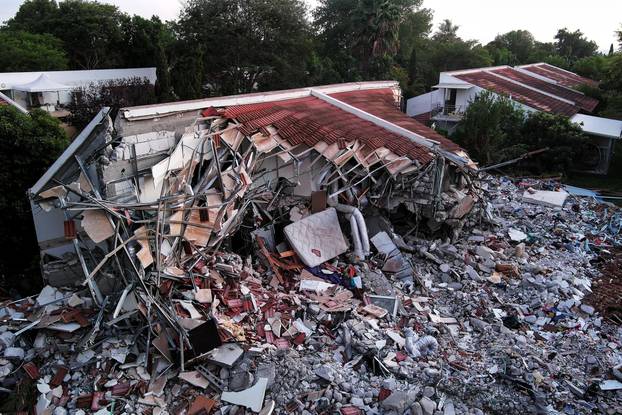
(489, 128)
(378, 34)
(35, 16)
(610, 91)
(336, 34)
(547, 52)
(247, 44)
(493, 129)
(512, 48)
(612, 78)
(416, 26)
(447, 32)
(146, 42)
(187, 71)
(366, 39)
(569, 147)
(29, 144)
(573, 46)
(90, 31)
(22, 51)
(592, 67)
(413, 34)
(446, 51)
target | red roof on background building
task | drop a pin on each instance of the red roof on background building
(586, 103)
(519, 93)
(310, 120)
(565, 78)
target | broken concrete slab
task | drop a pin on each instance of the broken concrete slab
(251, 398)
(545, 197)
(226, 354)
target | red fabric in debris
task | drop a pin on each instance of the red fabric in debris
(208, 112)
(383, 394)
(350, 410)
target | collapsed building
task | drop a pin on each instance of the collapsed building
(193, 251)
(158, 189)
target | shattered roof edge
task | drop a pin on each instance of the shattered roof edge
(69, 151)
(387, 125)
(149, 111)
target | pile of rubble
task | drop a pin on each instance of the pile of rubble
(491, 322)
(303, 255)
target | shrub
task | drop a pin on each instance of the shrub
(88, 101)
(29, 144)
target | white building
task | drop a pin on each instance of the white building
(51, 90)
(535, 87)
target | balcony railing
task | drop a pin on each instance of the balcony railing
(448, 112)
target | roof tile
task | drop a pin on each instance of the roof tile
(586, 103)
(310, 120)
(569, 79)
(526, 96)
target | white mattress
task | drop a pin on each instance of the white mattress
(317, 238)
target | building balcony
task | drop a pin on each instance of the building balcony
(453, 113)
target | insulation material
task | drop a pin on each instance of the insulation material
(196, 231)
(144, 255)
(97, 225)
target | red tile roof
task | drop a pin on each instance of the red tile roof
(310, 120)
(526, 96)
(586, 103)
(423, 118)
(561, 76)
(381, 103)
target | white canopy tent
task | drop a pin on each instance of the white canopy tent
(42, 84)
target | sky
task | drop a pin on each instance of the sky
(481, 20)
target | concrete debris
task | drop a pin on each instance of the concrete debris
(516, 235)
(251, 398)
(554, 199)
(226, 355)
(223, 268)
